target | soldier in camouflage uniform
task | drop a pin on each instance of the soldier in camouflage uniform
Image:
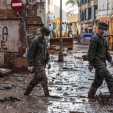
(97, 55)
(38, 57)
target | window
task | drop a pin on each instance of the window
(94, 8)
(89, 13)
(89, 1)
(82, 2)
(85, 1)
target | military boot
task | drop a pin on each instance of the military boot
(92, 92)
(29, 89)
(46, 91)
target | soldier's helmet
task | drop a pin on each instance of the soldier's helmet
(45, 30)
(103, 25)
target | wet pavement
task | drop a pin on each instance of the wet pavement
(69, 83)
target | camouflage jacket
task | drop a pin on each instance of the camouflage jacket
(38, 52)
(98, 51)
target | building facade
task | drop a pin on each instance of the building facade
(105, 8)
(87, 14)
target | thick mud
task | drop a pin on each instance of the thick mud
(68, 82)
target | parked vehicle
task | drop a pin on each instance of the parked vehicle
(55, 37)
(85, 38)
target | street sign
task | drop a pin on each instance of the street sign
(17, 5)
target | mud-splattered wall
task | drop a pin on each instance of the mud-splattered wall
(12, 35)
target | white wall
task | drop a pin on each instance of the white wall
(111, 6)
(103, 9)
(9, 35)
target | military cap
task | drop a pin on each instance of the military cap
(103, 25)
(45, 30)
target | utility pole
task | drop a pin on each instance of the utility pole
(60, 57)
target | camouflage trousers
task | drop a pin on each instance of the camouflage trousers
(39, 77)
(101, 74)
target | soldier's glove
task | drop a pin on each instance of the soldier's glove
(30, 68)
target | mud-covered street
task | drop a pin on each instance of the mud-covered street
(69, 83)
(30, 30)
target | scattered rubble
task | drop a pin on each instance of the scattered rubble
(7, 87)
(51, 83)
(75, 112)
(104, 99)
(59, 88)
(4, 72)
(85, 57)
(10, 99)
(57, 48)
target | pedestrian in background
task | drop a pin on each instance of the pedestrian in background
(38, 57)
(97, 55)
